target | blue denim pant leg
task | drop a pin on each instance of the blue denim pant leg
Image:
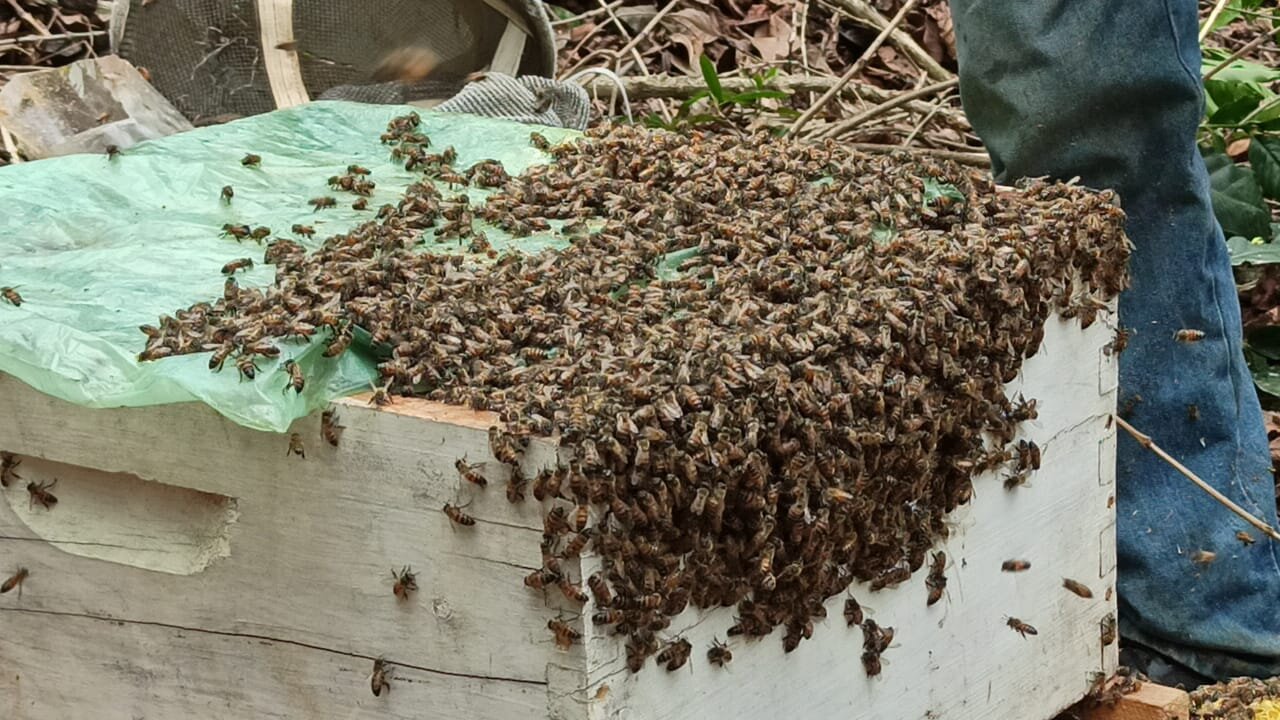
(1109, 91)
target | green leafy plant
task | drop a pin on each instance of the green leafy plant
(714, 104)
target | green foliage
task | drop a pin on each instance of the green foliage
(1237, 197)
(715, 104)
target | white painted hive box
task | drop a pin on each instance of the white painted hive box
(191, 569)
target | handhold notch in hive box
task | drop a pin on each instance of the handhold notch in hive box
(304, 604)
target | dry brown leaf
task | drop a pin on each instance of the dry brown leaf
(577, 32)
(895, 62)
(938, 23)
(773, 41)
(635, 17)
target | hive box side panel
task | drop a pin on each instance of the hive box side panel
(69, 667)
(276, 548)
(956, 660)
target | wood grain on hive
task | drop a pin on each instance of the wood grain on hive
(192, 569)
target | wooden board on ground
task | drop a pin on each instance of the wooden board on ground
(192, 568)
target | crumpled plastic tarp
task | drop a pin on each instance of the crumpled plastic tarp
(97, 247)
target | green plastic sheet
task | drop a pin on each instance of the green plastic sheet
(98, 246)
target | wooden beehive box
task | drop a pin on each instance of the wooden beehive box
(193, 570)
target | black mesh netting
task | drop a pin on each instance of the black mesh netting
(206, 56)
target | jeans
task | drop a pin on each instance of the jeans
(1110, 91)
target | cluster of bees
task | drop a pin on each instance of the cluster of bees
(793, 402)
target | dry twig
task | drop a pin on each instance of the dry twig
(853, 70)
(863, 11)
(1237, 55)
(1146, 442)
(893, 102)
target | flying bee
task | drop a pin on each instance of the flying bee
(1021, 628)
(251, 160)
(469, 473)
(260, 233)
(236, 265)
(564, 633)
(39, 493)
(719, 654)
(15, 581)
(457, 516)
(321, 202)
(381, 678)
(330, 430)
(380, 396)
(246, 365)
(1204, 557)
(8, 464)
(1013, 566)
(228, 192)
(11, 296)
(1187, 335)
(1078, 588)
(295, 447)
(675, 654)
(305, 231)
(296, 380)
(406, 581)
(600, 589)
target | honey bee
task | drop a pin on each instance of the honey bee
(852, 611)
(537, 140)
(1013, 566)
(515, 486)
(608, 617)
(246, 366)
(113, 151)
(503, 446)
(581, 515)
(1108, 629)
(155, 353)
(236, 265)
(565, 635)
(457, 516)
(1245, 537)
(322, 202)
(675, 654)
(600, 589)
(295, 446)
(239, 232)
(251, 160)
(228, 192)
(1078, 588)
(360, 204)
(8, 465)
(340, 342)
(936, 581)
(1118, 343)
(406, 581)
(719, 654)
(1021, 628)
(381, 678)
(296, 380)
(39, 493)
(715, 507)
(1193, 412)
(305, 231)
(330, 430)
(469, 473)
(893, 576)
(11, 296)
(541, 578)
(357, 170)
(15, 581)
(571, 591)
(577, 542)
(1187, 335)
(1204, 557)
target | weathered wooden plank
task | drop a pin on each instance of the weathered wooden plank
(312, 543)
(59, 667)
(1150, 702)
